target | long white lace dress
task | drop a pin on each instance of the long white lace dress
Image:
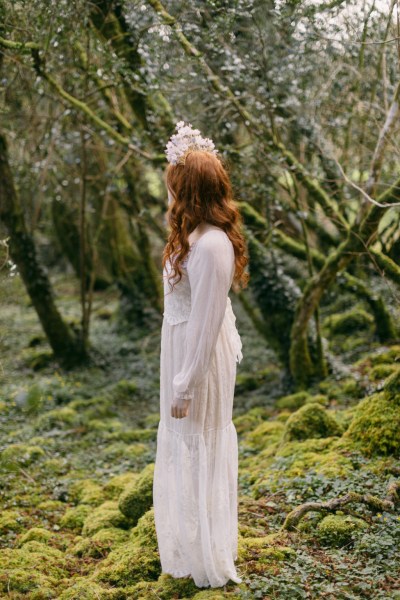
(196, 466)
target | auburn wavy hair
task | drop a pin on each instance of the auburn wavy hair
(202, 191)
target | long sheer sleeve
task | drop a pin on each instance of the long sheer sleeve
(210, 272)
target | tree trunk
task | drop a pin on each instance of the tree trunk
(65, 344)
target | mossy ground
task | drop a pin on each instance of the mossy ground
(77, 450)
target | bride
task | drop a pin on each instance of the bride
(196, 467)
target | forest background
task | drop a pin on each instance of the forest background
(302, 98)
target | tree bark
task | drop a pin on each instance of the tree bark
(66, 345)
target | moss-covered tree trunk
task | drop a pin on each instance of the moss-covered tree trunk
(357, 240)
(66, 345)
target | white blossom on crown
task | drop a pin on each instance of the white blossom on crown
(186, 139)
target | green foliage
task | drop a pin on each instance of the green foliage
(311, 421)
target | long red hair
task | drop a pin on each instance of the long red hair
(202, 191)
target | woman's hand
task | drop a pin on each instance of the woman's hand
(180, 407)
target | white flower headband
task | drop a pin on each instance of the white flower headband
(186, 139)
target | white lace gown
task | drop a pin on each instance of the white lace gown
(196, 466)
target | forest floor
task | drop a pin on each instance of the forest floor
(77, 450)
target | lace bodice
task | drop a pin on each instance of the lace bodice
(201, 298)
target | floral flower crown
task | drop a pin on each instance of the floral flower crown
(186, 139)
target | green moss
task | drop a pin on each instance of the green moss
(100, 544)
(58, 417)
(74, 518)
(318, 454)
(386, 356)
(292, 401)
(82, 588)
(264, 550)
(10, 520)
(105, 515)
(135, 560)
(35, 566)
(124, 391)
(264, 435)
(117, 484)
(250, 420)
(381, 371)
(376, 425)
(311, 421)
(38, 534)
(338, 529)
(20, 455)
(138, 497)
(165, 588)
(86, 491)
(350, 321)
(392, 387)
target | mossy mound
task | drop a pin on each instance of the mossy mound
(318, 454)
(350, 321)
(138, 496)
(164, 588)
(135, 560)
(82, 588)
(20, 455)
(58, 417)
(311, 421)
(38, 534)
(392, 387)
(74, 517)
(375, 427)
(10, 520)
(105, 515)
(258, 552)
(117, 484)
(295, 401)
(35, 566)
(250, 420)
(264, 435)
(100, 544)
(338, 530)
(86, 491)
(382, 371)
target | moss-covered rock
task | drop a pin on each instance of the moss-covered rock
(38, 534)
(58, 417)
(382, 371)
(20, 455)
(257, 552)
(264, 435)
(117, 484)
(311, 421)
(392, 387)
(318, 454)
(339, 529)
(10, 520)
(74, 517)
(105, 515)
(33, 567)
(83, 588)
(165, 588)
(135, 560)
(376, 425)
(86, 491)
(292, 401)
(249, 420)
(100, 544)
(138, 497)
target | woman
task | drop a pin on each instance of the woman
(196, 467)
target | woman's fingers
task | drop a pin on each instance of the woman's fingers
(179, 412)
